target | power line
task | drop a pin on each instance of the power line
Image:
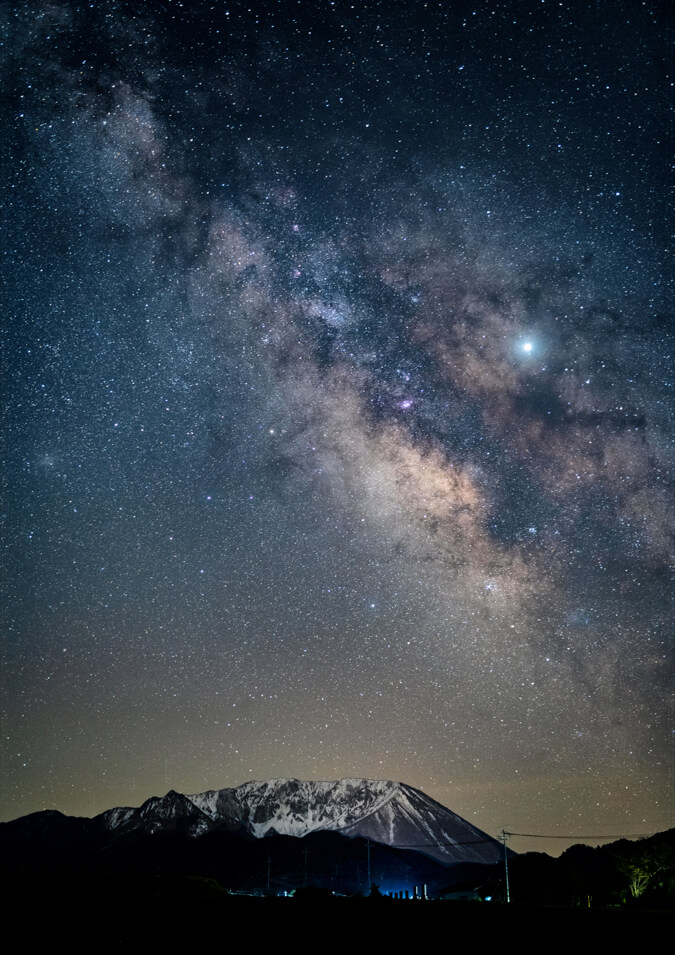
(524, 835)
(539, 835)
(426, 845)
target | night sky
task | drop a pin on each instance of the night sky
(337, 395)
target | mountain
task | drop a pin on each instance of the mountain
(390, 813)
(159, 814)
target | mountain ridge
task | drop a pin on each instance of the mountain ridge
(391, 813)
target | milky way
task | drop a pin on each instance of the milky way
(338, 405)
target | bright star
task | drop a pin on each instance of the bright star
(527, 347)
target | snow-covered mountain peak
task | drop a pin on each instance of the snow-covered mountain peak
(157, 813)
(389, 812)
(294, 806)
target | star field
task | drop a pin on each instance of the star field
(338, 405)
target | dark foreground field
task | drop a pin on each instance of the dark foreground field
(134, 914)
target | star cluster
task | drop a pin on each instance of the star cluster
(338, 405)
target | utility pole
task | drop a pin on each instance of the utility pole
(269, 866)
(506, 865)
(369, 882)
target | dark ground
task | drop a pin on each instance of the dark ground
(133, 914)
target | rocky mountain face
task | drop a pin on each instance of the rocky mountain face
(158, 814)
(390, 813)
